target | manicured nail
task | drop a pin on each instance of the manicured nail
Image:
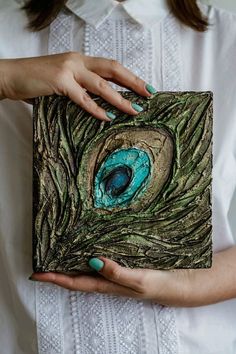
(150, 88)
(110, 115)
(96, 263)
(137, 107)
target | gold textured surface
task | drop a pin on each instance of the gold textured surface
(165, 225)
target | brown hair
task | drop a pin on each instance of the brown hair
(42, 12)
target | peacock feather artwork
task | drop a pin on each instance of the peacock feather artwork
(136, 190)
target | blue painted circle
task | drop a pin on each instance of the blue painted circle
(121, 176)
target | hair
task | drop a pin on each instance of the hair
(42, 13)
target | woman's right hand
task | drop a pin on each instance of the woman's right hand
(71, 74)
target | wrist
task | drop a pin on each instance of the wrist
(3, 79)
(215, 284)
(7, 73)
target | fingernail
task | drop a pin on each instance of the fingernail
(96, 263)
(150, 88)
(31, 278)
(110, 115)
(137, 107)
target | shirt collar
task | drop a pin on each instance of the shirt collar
(94, 12)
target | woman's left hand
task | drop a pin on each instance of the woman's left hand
(179, 287)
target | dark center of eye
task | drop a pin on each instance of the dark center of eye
(117, 180)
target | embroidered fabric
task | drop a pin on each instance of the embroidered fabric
(166, 327)
(125, 41)
(105, 323)
(171, 54)
(60, 36)
(48, 319)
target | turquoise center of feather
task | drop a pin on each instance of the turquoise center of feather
(122, 176)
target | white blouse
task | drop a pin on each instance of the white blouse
(144, 36)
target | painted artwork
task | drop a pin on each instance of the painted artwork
(136, 190)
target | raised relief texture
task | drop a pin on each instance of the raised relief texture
(136, 190)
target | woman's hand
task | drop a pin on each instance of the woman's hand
(180, 287)
(71, 74)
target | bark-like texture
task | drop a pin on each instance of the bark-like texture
(164, 223)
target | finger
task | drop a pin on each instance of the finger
(85, 283)
(114, 71)
(77, 94)
(97, 85)
(132, 278)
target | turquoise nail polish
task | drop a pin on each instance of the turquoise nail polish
(110, 115)
(96, 263)
(150, 88)
(137, 107)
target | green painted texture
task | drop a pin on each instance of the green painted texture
(167, 226)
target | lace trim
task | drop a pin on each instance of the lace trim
(171, 55)
(107, 324)
(166, 327)
(60, 36)
(49, 319)
(122, 40)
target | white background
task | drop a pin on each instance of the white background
(226, 4)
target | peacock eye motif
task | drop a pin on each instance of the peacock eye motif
(127, 169)
(137, 191)
(123, 174)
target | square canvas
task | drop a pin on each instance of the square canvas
(136, 190)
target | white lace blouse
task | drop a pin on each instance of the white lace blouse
(143, 35)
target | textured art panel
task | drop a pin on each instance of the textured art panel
(136, 190)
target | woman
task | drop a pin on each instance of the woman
(161, 45)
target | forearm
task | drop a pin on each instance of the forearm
(218, 283)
